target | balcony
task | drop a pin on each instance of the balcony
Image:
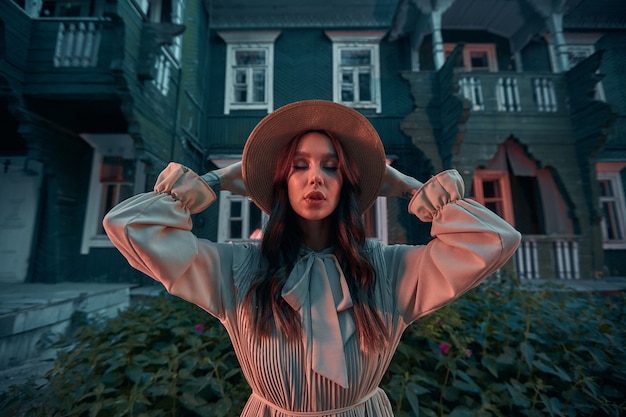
(548, 257)
(512, 93)
(72, 57)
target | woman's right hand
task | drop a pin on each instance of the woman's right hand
(397, 184)
(232, 179)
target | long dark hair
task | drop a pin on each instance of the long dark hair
(281, 244)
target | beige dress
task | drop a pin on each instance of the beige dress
(326, 373)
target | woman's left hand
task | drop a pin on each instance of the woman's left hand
(397, 184)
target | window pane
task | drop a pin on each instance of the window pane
(347, 85)
(491, 189)
(112, 194)
(255, 222)
(347, 93)
(249, 58)
(356, 57)
(613, 231)
(117, 169)
(241, 76)
(241, 94)
(235, 209)
(605, 188)
(479, 60)
(235, 229)
(258, 88)
(365, 91)
(495, 206)
(109, 197)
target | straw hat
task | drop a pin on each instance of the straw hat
(357, 136)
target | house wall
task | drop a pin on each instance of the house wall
(303, 71)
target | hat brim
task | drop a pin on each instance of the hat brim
(357, 136)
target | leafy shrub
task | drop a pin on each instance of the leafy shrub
(155, 359)
(501, 350)
(505, 351)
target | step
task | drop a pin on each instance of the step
(31, 313)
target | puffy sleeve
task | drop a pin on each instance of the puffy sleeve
(470, 243)
(153, 232)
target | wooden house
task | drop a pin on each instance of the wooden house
(524, 97)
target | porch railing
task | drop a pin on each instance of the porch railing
(548, 256)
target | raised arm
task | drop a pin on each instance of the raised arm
(470, 243)
(153, 231)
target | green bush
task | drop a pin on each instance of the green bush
(504, 351)
(500, 350)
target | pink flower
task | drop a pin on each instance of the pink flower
(444, 347)
(438, 322)
(468, 352)
(199, 328)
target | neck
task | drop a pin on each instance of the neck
(315, 234)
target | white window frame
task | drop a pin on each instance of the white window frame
(380, 212)
(468, 49)
(223, 235)
(583, 44)
(502, 178)
(249, 40)
(225, 198)
(366, 40)
(611, 172)
(105, 145)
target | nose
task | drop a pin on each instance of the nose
(316, 176)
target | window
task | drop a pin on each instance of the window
(240, 220)
(356, 69)
(115, 176)
(249, 70)
(493, 190)
(117, 183)
(612, 205)
(476, 57)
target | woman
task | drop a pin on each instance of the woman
(316, 312)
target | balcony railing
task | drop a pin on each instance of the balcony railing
(78, 44)
(548, 256)
(512, 92)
